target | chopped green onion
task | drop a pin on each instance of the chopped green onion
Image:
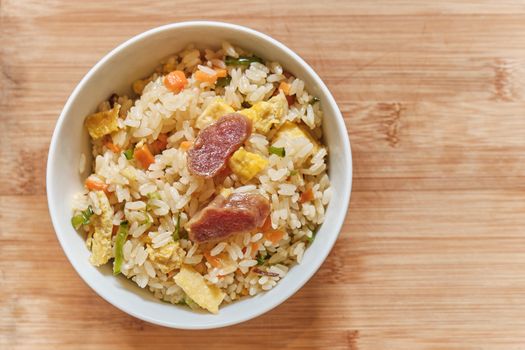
(154, 195)
(176, 235)
(87, 214)
(82, 218)
(280, 151)
(313, 229)
(314, 233)
(77, 221)
(244, 61)
(314, 100)
(122, 234)
(246, 104)
(148, 220)
(224, 81)
(261, 260)
(294, 172)
(151, 196)
(128, 153)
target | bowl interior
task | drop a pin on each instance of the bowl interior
(115, 73)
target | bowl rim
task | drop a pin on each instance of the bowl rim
(342, 208)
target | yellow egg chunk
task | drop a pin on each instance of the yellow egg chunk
(195, 286)
(264, 114)
(294, 134)
(102, 123)
(216, 109)
(279, 105)
(101, 248)
(246, 164)
(166, 258)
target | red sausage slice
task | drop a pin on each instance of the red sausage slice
(217, 142)
(224, 217)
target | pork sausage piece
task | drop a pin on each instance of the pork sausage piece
(223, 217)
(216, 143)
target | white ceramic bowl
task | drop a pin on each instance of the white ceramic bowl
(114, 73)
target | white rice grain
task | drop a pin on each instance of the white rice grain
(231, 252)
(192, 250)
(193, 260)
(218, 249)
(244, 189)
(138, 205)
(286, 189)
(172, 290)
(237, 250)
(248, 263)
(126, 250)
(256, 237)
(141, 280)
(141, 257)
(149, 269)
(229, 50)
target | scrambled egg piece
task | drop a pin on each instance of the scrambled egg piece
(290, 132)
(103, 123)
(101, 249)
(266, 113)
(214, 111)
(195, 286)
(263, 114)
(246, 164)
(166, 258)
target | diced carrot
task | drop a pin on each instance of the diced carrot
(205, 77)
(285, 87)
(290, 99)
(159, 144)
(162, 139)
(213, 260)
(274, 235)
(143, 156)
(111, 146)
(185, 145)
(255, 250)
(175, 81)
(221, 73)
(267, 226)
(96, 185)
(306, 196)
(200, 268)
(114, 230)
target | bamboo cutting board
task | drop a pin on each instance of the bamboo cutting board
(432, 254)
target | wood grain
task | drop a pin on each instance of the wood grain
(432, 253)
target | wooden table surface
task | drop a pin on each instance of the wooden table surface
(432, 253)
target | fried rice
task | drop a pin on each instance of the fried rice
(135, 215)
